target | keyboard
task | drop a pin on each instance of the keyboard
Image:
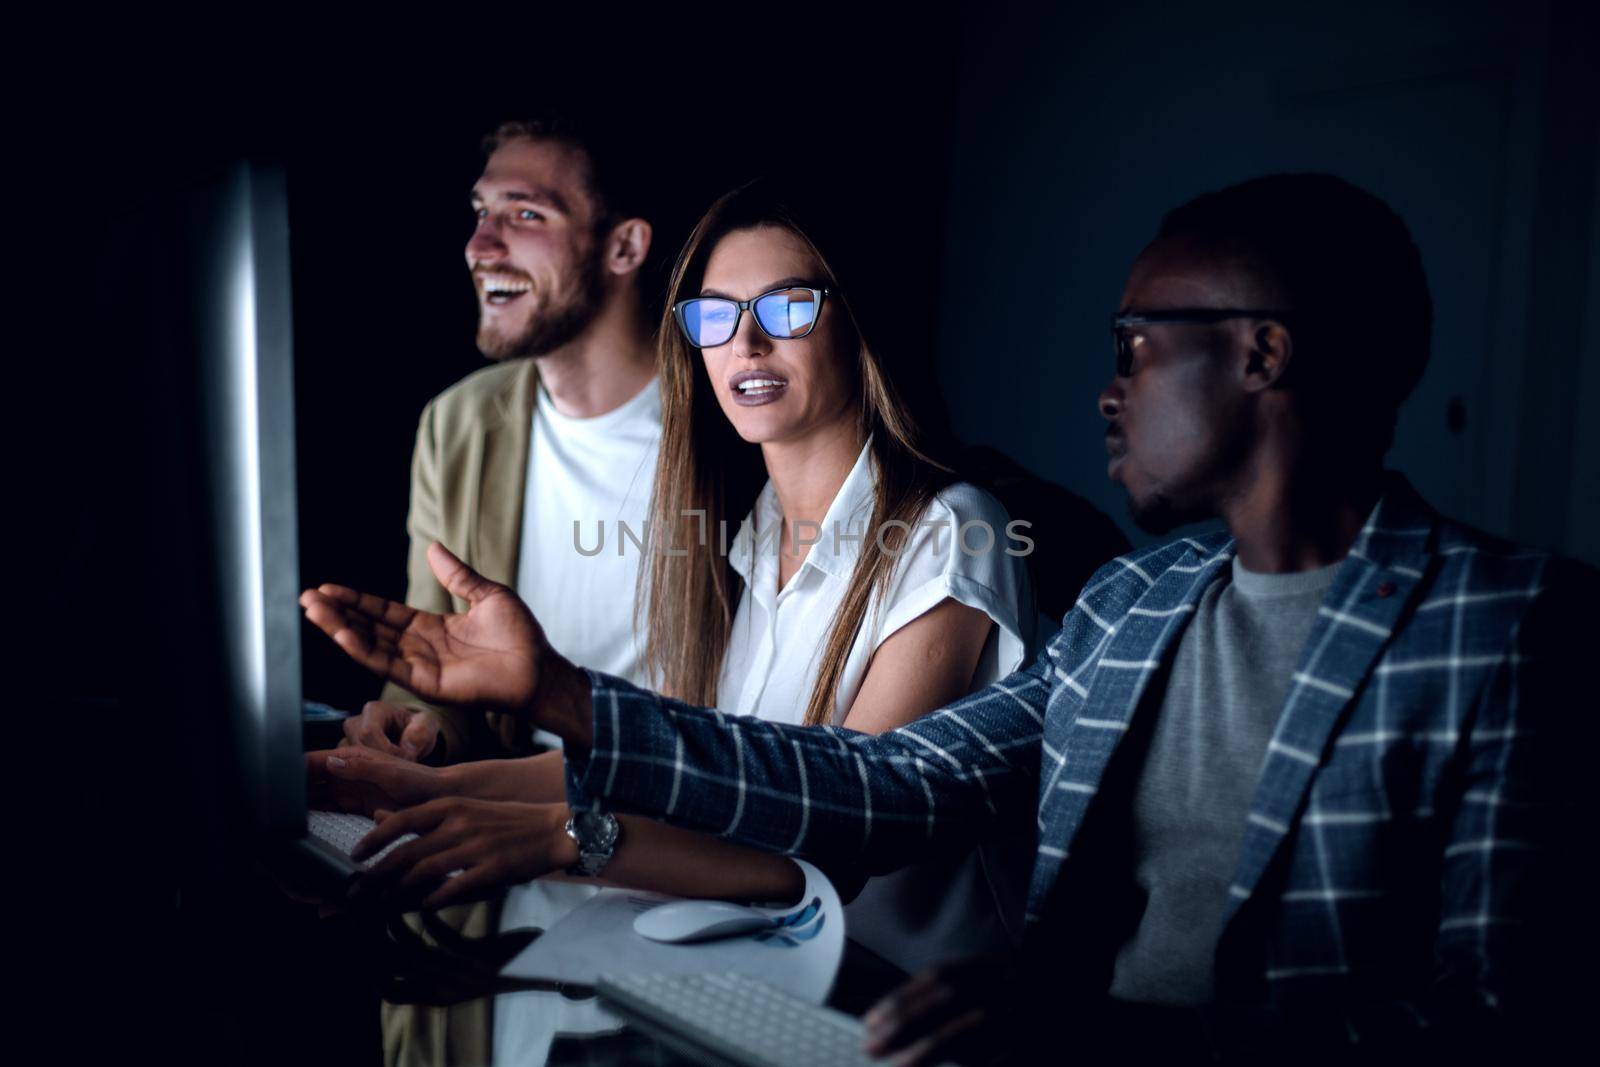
(342, 830)
(739, 1019)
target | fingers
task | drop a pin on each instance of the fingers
(320, 790)
(473, 883)
(417, 820)
(428, 873)
(408, 872)
(376, 608)
(326, 789)
(390, 718)
(375, 649)
(908, 1013)
(325, 614)
(961, 1040)
(331, 616)
(419, 736)
(963, 1011)
(483, 846)
(317, 771)
(385, 781)
(376, 658)
(460, 579)
(372, 728)
(358, 737)
(354, 764)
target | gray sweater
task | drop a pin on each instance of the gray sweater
(1230, 676)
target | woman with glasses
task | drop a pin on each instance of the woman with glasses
(847, 595)
(809, 561)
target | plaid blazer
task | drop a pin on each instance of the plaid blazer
(1408, 827)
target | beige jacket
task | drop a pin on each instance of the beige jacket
(467, 487)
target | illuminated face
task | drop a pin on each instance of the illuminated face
(1179, 433)
(775, 390)
(534, 256)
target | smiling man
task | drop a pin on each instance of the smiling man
(562, 429)
(1311, 789)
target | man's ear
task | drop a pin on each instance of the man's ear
(628, 246)
(1271, 351)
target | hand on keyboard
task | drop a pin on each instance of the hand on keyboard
(344, 831)
(465, 849)
(364, 781)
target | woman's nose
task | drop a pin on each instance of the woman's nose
(749, 341)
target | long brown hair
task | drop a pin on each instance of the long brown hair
(705, 468)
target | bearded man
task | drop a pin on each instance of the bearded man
(562, 429)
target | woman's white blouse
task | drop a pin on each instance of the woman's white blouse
(959, 550)
(950, 905)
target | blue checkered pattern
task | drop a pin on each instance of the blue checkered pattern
(1404, 829)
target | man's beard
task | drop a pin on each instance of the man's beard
(1157, 514)
(550, 328)
(1160, 512)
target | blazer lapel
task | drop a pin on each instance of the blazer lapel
(1369, 596)
(502, 478)
(1116, 683)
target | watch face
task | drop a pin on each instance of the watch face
(596, 831)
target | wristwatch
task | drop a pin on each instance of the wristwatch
(596, 835)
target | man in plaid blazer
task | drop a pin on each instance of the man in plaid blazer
(1400, 839)
(1396, 867)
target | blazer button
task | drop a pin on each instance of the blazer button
(1386, 589)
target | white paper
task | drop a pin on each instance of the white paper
(527, 1022)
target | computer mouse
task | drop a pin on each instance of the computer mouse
(699, 920)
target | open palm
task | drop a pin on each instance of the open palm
(489, 656)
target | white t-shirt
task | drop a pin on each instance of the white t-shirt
(955, 904)
(596, 472)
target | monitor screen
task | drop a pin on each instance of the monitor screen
(196, 309)
(247, 373)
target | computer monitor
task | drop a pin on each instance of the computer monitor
(199, 286)
(247, 378)
(195, 615)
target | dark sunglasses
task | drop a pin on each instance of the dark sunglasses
(1174, 317)
(783, 314)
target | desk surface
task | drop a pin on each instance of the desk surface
(448, 1021)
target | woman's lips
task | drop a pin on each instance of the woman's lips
(754, 388)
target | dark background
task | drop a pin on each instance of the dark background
(1020, 155)
(1077, 126)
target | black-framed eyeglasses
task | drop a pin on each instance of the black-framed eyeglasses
(1173, 317)
(783, 314)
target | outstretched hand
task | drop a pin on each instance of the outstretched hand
(491, 656)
